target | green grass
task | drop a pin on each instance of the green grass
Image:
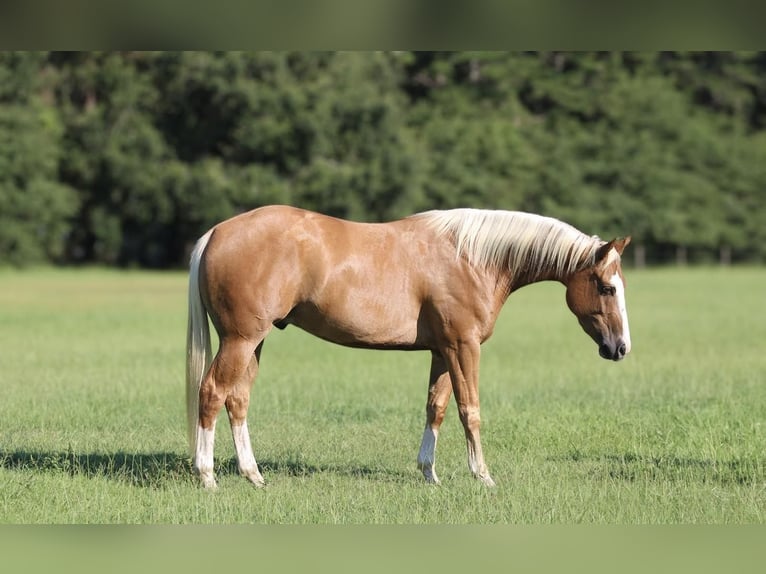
(92, 426)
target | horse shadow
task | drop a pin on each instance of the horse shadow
(139, 469)
(158, 469)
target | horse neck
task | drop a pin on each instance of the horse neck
(521, 278)
(552, 261)
(516, 279)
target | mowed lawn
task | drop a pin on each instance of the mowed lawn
(92, 422)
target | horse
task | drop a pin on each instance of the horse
(434, 281)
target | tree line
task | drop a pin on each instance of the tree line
(125, 158)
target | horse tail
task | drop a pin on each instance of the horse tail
(198, 354)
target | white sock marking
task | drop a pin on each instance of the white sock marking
(427, 454)
(245, 455)
(203, 459)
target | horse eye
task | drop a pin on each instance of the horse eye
(606, 289)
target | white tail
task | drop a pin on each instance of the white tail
(198, 354)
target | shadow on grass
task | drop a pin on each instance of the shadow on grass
(299, 468)
(146, 470)
(153, 470)
(631, 467)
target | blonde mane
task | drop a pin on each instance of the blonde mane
(515, 240)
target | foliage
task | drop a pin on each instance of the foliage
(34, 204)
(126, 158)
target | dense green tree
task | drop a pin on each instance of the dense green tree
(126, 157)
(35, 207)
(366, 153)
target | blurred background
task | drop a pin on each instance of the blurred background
(125, 158)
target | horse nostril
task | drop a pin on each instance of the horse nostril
(613, 354)
(621, 350)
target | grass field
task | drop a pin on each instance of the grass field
(92, 426)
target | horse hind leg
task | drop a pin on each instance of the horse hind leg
(231, 370)
(210, 402)
(237, 403)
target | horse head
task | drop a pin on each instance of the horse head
(596, 295)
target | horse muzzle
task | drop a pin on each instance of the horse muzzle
(615, 352)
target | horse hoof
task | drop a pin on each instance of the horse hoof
(256, 481)
(207, 479)
(430, 475)
(487, 480)
(209, 483)
(254, 477)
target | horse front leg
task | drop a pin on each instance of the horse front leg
(439, 391)
(463, 363)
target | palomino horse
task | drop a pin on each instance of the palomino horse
(433, 281)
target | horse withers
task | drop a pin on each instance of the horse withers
(434, 281)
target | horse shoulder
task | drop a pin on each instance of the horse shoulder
(460, 300)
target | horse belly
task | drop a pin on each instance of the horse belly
(360, 319)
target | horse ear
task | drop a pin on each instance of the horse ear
(619, 244)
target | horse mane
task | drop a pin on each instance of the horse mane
(518, 241)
